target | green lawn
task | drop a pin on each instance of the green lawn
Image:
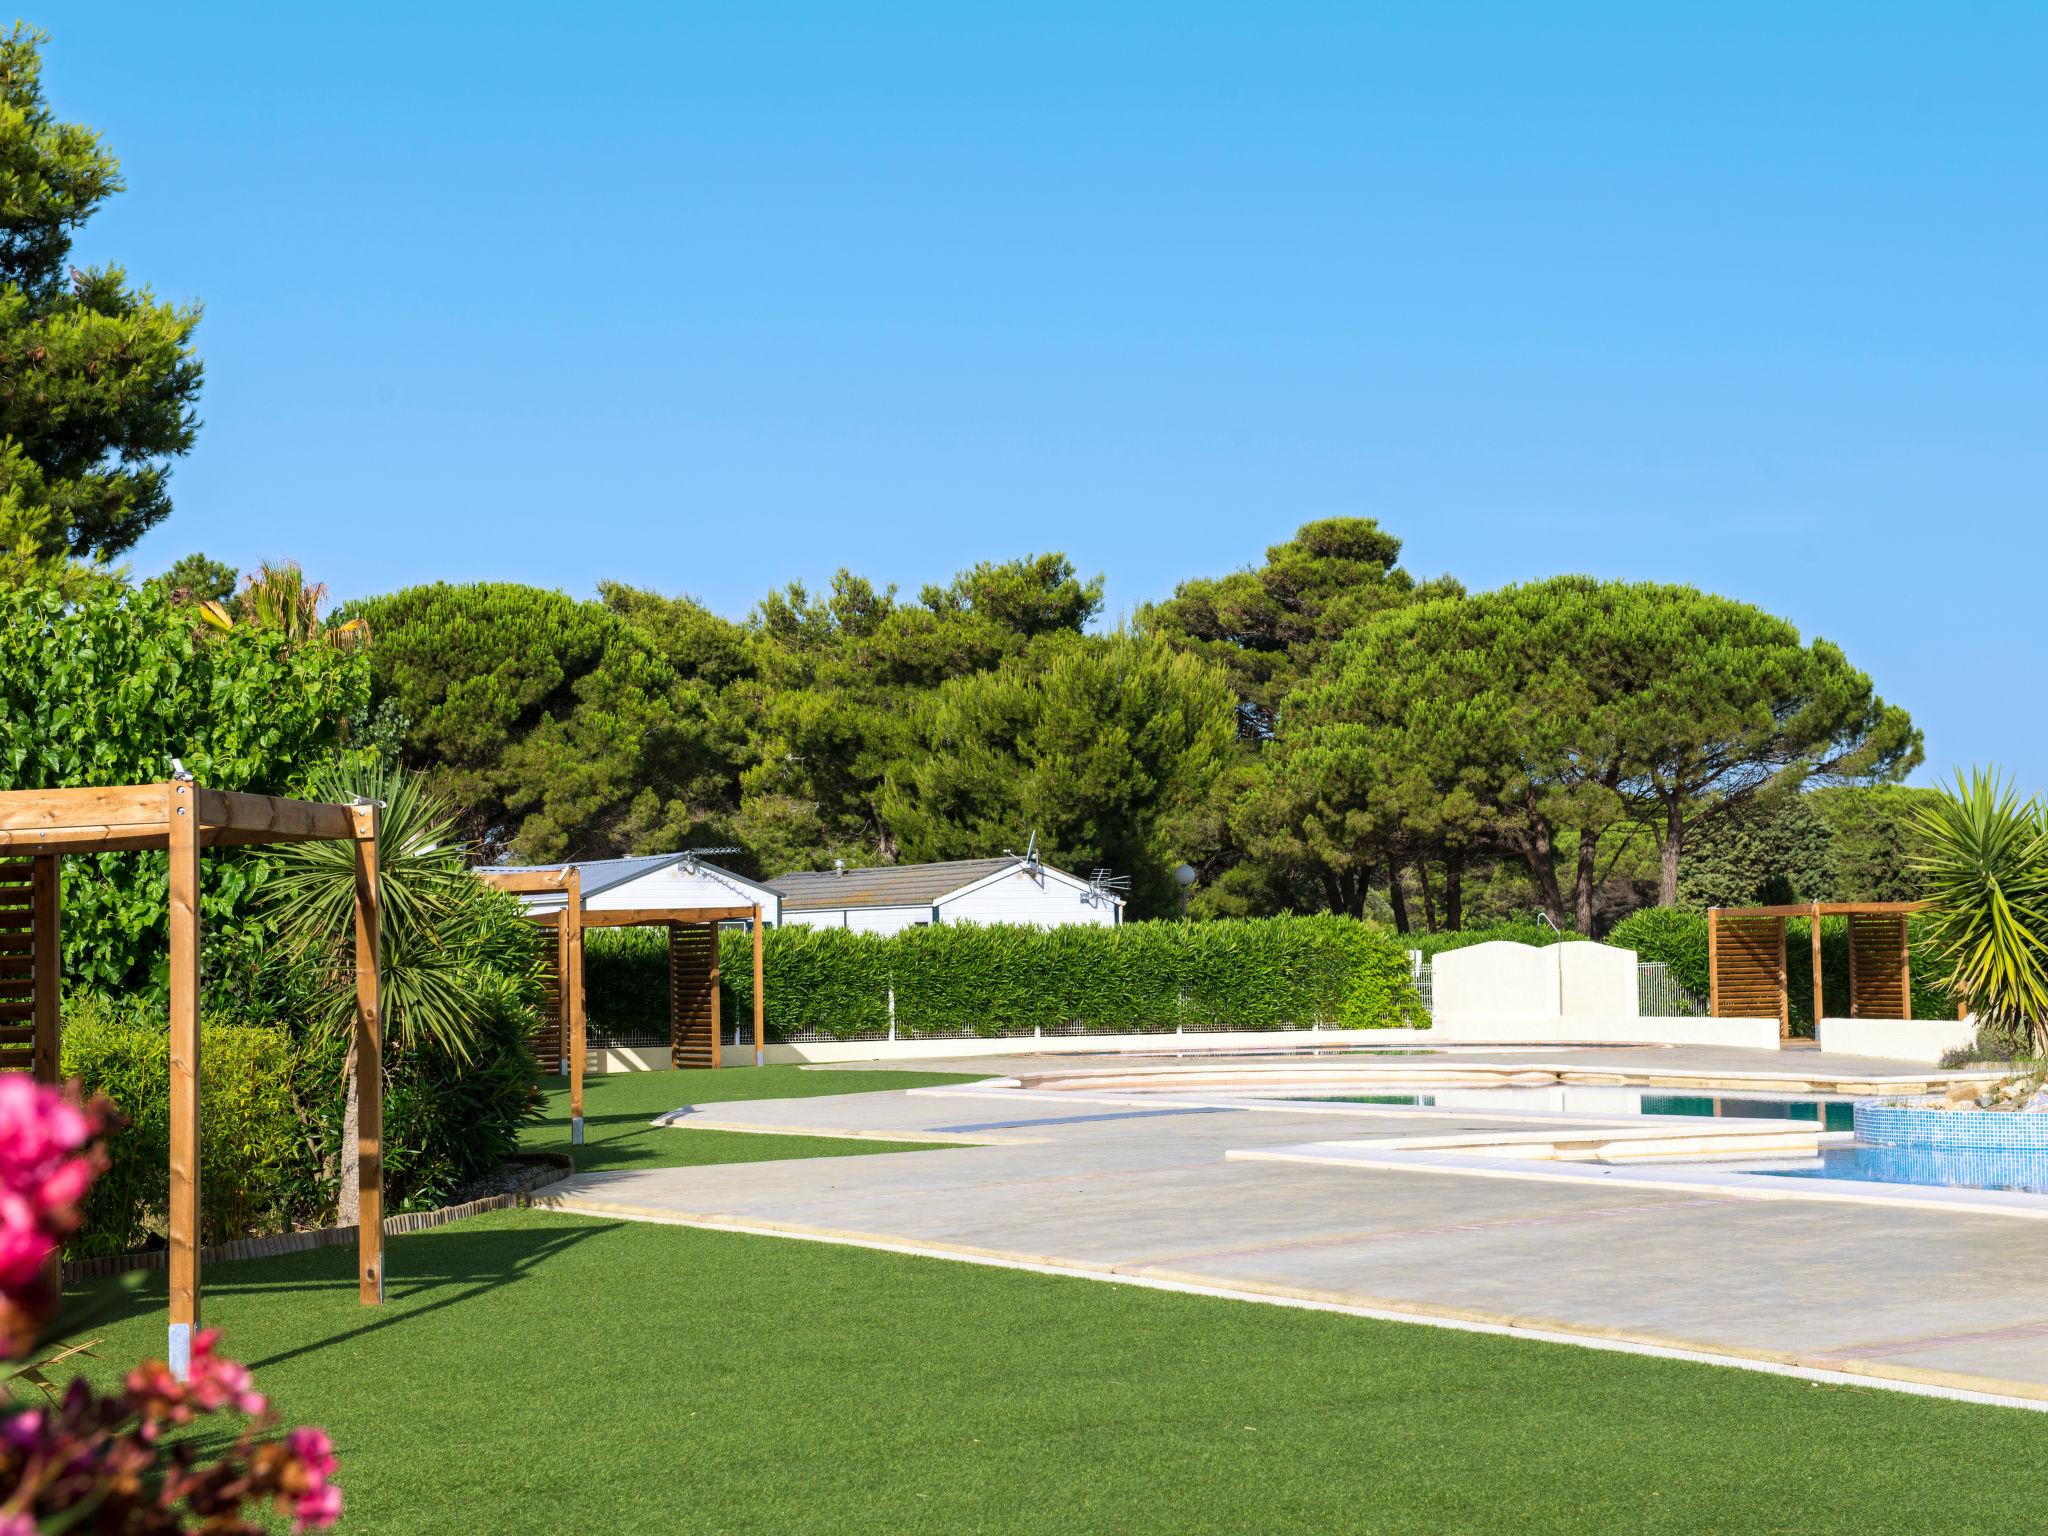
(547, 1374)
(617, 1108)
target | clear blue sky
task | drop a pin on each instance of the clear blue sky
(709, 299)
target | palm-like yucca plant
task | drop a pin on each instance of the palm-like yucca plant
(1986, 874)
(447, 953)
(278, 597)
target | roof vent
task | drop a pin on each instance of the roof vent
(839, 866)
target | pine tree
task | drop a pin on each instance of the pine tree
(98, 379)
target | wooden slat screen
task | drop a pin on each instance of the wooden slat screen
(1879, 985)
(17, 966)
(1749, 979)
(549, 1040)
(693, 994)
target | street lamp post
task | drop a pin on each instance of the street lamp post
(1184, 876)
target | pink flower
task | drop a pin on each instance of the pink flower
(22, 1525)
(313, 1450)
(314, 1511)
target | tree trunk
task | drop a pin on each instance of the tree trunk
(1538, 849)
(347, 1208)
(1396, 896)
(1669, 844)
(1584, 876)
(1454, 891)
(1428, 901)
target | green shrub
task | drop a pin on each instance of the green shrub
(1675, 937)
(447, 1119)
(1525, 930)
(1264, 973)
(255, 1163)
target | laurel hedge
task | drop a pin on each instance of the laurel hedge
(956, 979)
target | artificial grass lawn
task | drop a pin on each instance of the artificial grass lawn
(617, 1107)
(538, 1373)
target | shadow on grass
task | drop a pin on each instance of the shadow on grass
(463, 1260)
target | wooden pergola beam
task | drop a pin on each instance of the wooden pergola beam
(182, 818)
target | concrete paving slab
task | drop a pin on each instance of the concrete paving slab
(1919, 1297)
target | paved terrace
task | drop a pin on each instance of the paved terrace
(1145, 1192)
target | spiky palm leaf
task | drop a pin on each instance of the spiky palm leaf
(432, 929)
(1986, 874)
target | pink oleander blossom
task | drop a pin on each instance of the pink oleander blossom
(98, 1462)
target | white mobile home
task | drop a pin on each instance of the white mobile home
(655, 882)
(890, 898)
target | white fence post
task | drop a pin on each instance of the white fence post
(892, 1013)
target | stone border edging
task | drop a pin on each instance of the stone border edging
(277, 1243)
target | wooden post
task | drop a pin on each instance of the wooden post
(1714, 962)
(760, 1015)
(717, 1003)
(1784, 988)
(572, 1000)
(369, 1048)
(182, 818)
(1819, 994)
(47, 963)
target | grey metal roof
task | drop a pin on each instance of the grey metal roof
(603, 874)
(886, 885)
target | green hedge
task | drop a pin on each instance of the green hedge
(256, 1168)
(1262, 973)
(1517, 931)
(1678, 938)
(270, 1116)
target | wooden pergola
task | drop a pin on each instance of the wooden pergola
(1746, 973)
(39, 826)
(555, 900)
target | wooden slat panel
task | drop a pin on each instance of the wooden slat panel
(692, 995)
(1878, 979)
(1748, 967)
(547, 1040)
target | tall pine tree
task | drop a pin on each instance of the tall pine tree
(98, 380)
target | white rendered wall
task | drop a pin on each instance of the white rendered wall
(1596, 981)
(1044, 901)
(1920, 1040)
(1750, 1034)
(1495, 981)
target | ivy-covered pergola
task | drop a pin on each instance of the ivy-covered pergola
(40, 826)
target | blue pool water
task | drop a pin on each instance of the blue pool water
(1949, 1167)
(1833, 1114)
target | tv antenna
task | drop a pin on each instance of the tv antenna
(1103, 886)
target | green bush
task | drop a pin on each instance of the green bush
(1515, 930)
(1263, 973)
(447, 1119)
(256, 1168)
(1675, 937)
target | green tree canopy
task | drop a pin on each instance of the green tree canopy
(201, 580)
(1569, 711)
(564, 730)
(1772, 850)
(109, 688)
(1268, 627)
(98, 380)
(1094, 746)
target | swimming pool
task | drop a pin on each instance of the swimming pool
(1828, 1113)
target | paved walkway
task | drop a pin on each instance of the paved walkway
(1144, 1191)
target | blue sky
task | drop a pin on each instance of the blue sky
(709, 299)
